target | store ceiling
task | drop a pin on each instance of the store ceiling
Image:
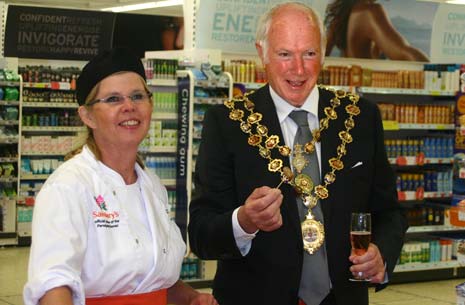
(99, 4)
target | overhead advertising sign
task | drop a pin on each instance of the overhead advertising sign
(36, 32)
(406, 29)
(230, 25)
(448, 37)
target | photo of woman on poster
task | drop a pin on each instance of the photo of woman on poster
(172, 36)
(363, 29)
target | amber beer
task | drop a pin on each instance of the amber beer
(360, 237)
(360, 241)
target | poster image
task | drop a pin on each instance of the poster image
(375, 29)
(395, 29)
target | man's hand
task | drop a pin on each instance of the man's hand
(261, 210)
(369, 265)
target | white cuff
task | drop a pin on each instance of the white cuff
(243, 239)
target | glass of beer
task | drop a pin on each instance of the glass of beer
(360, 237)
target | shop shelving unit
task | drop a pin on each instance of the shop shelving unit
(50, 129)
(10, 157)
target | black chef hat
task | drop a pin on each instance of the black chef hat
(103, 65)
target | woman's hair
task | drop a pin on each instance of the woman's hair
(90, 141)
(264, 24)
(336, 20)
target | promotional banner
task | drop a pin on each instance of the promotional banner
(448, 37)
(36, 32)
(394, 29)
(384, 29)
(230, 25)
(182, 159)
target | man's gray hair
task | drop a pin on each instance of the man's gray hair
(264, 24)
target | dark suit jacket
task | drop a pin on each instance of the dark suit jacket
(228, 170)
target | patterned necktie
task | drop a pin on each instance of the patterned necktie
(315, 282)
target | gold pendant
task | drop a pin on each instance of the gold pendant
(304, 183)
(313, 233)
(310, 201)
(299, 162)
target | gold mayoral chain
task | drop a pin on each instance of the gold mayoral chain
(312, 230)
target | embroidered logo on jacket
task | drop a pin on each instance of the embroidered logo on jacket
(104, 218)
(100, 202)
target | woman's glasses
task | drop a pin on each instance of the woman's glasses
(118, 99)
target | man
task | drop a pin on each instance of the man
(248, 212)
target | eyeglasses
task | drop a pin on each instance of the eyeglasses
(118, 99)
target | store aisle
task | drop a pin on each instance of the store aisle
(13, 269)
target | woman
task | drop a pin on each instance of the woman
(362, 29)
(101, 233)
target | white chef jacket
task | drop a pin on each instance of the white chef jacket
(82, 237)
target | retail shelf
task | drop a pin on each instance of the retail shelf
(439, 160)
(28, 189)
(158, 149)
(8, 159)
(416, 161)
(162, 82)
(49, 85)
(408, 196)
(427, 266)
(9, 103)
(436, 195)
(432, 228)
(4, 83)
(54, 128)
(34, 177)
(394, 125)
(9, 122)
(404, 91)
(205, 83)
(26, 201)
(253, 86)
(209, 100)
(8, 239)
(9, 139)
(44, 153)
(344, 88)
(168, 182)
(427, 126)
(8, 179)
(164, 116)
(49, 105)
(2, 197)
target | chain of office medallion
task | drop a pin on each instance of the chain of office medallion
(272, 142)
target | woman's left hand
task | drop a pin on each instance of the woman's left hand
(203, 299)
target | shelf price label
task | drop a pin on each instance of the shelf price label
(60, 85)
(390, 125)
(406, 160)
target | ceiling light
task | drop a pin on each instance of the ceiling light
(456, 1)
(143, 6)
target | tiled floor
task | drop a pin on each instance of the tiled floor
(13, 269)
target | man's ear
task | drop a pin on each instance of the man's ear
(260, 50)
(86, 116)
